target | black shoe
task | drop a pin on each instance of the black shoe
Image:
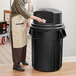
(19, 69)
(24, 63)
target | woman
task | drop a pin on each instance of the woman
(18, 33)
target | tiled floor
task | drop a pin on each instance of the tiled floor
(6, 55)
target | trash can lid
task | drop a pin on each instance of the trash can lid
(47, 26)
(50, 10)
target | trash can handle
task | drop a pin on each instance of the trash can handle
(30, 31)
(62, 34)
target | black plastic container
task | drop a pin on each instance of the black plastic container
(47, 44)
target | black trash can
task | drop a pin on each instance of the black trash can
(47, 41)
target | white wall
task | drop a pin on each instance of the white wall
(68, 7)
(4, 5)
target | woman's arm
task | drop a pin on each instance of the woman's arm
(36, 18)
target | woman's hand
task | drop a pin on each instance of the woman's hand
(27, 22)
(37, 19)
(40, 20)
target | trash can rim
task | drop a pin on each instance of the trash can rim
(47, 25)
(47, 28)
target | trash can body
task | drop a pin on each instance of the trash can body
(47, 46)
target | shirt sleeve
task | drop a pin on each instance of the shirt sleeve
(21, 9)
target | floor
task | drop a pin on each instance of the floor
(6, 55)
(68, 69)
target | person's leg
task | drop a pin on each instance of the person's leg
(16, 55)
(23, 59)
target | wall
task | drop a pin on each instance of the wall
(69, 19)
(4, 5)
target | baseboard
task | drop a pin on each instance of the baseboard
(69, 59)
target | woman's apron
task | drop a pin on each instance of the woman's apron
(19, 31)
